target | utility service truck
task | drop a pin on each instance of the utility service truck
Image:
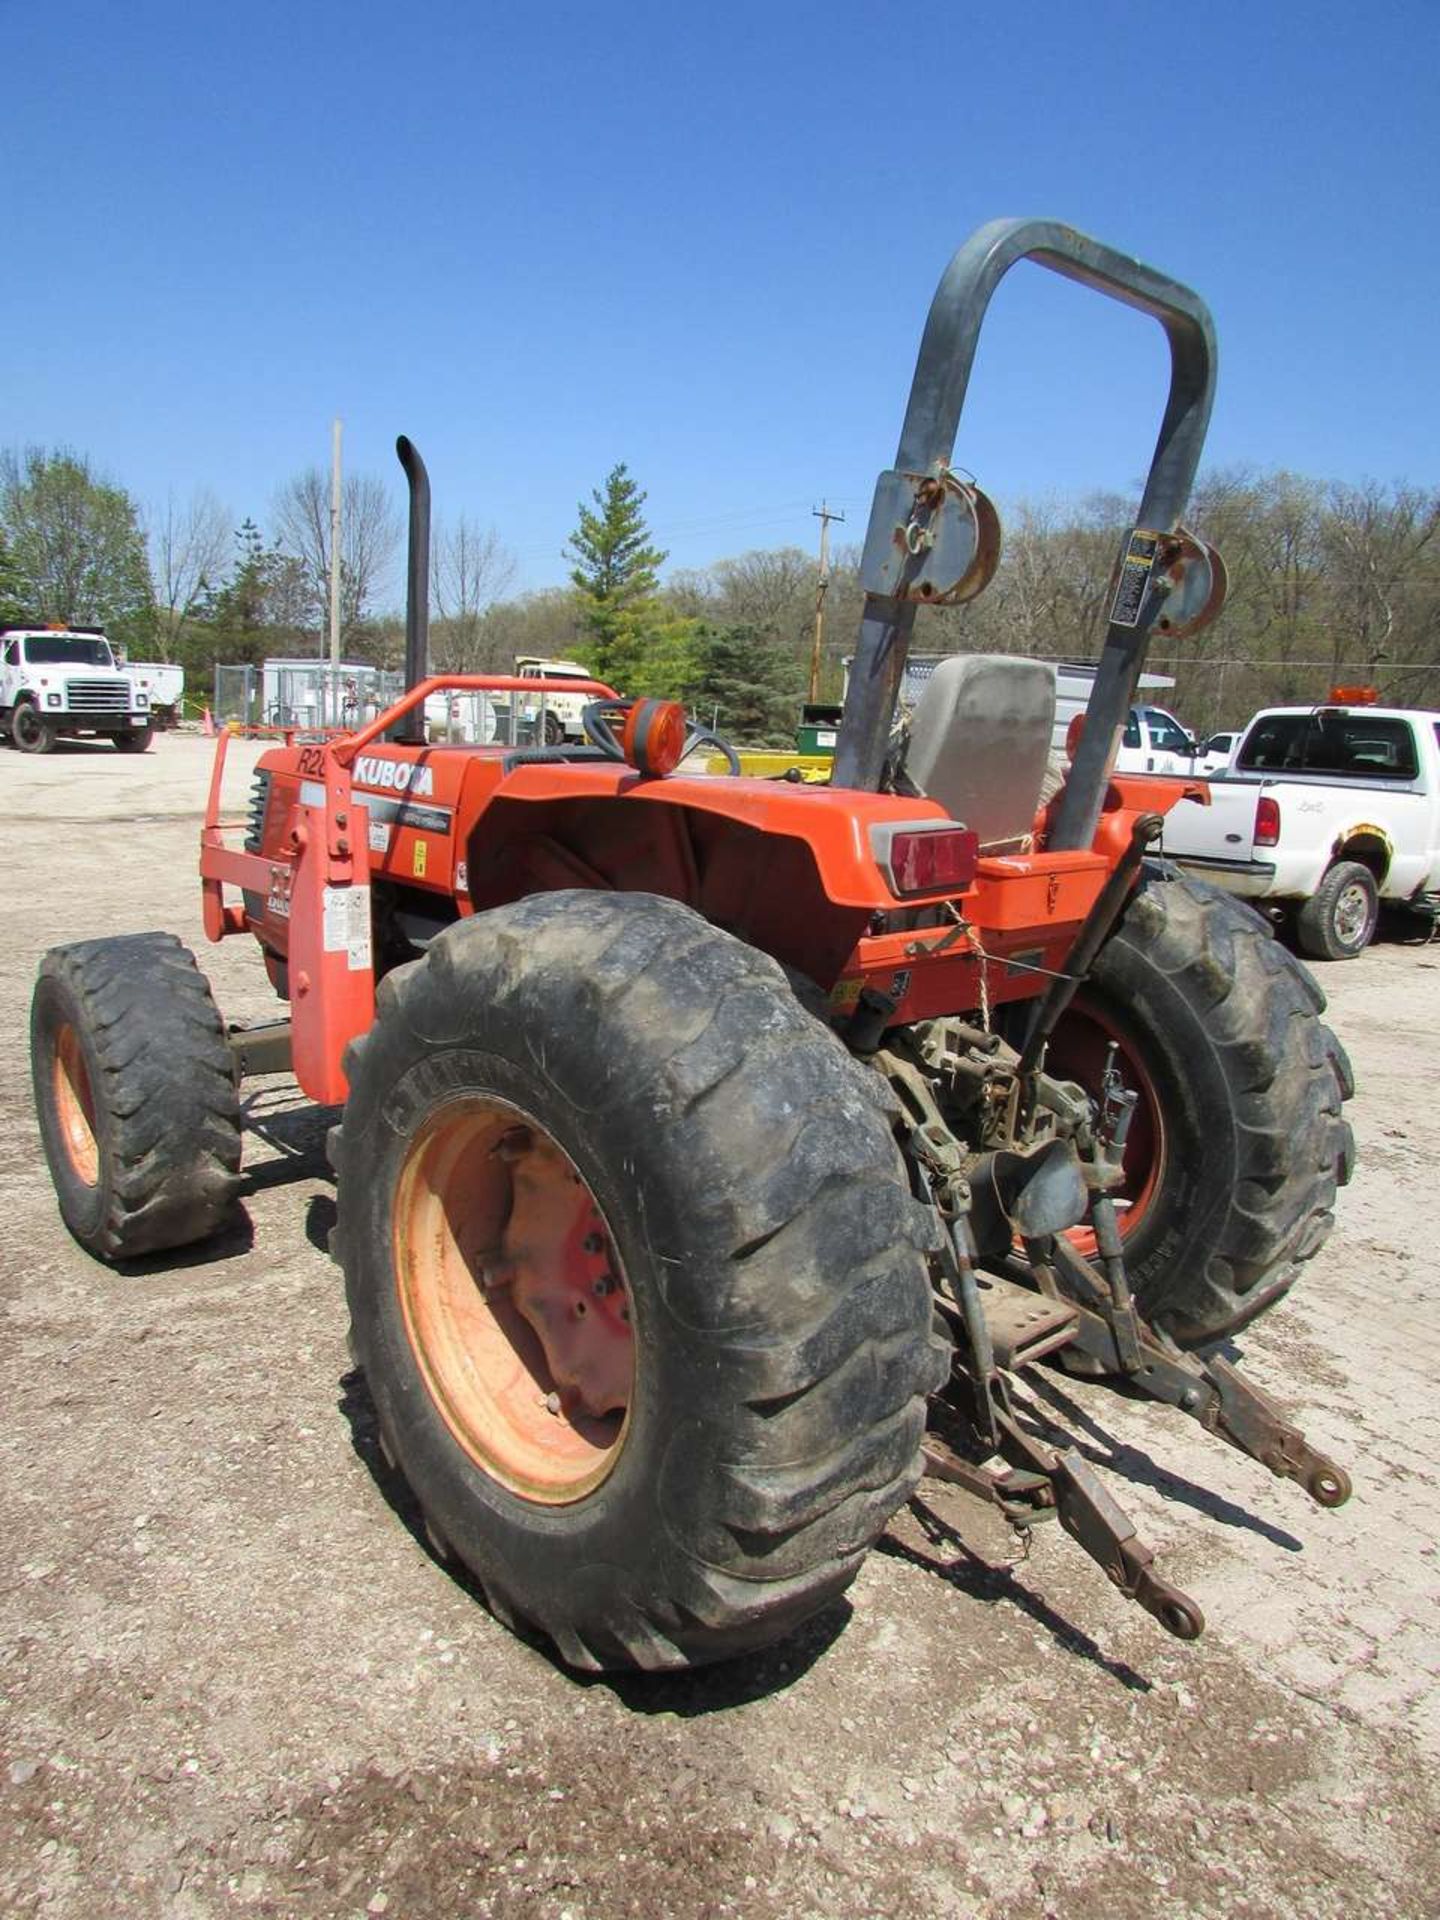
(557, 714)
(58, 681)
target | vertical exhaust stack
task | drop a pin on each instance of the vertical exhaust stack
(410, 729)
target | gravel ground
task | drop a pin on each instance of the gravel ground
(234, 1681)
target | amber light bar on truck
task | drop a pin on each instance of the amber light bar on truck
(925, 856)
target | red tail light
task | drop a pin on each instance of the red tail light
(1267, 822)
(926, 859)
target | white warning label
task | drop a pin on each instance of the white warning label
(347, 924)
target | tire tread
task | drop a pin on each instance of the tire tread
(1288, 1078)
(172, 1147)
(815, 1323)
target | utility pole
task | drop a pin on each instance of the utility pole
(335, 548)
(823, 514)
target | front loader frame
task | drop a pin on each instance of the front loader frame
(323, 884)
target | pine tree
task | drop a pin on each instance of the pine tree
(615, 567)
(750, 684)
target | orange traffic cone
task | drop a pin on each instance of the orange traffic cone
(207, 725)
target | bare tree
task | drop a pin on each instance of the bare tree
(369, 538)
(1375, 541)
(469, 570)
(190, 549)
(546, 623)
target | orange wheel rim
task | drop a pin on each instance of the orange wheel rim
(1078, 1052)
(75, 1106)
(514, 1300)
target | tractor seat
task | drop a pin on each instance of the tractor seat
(979, 744)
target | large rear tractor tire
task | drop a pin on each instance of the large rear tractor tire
(30, 730)
(135, 1093)
(1238, 1143)
(1338, 921)
(635, 1277)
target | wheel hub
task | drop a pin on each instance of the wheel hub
(514, 1299)
(1352, 911)
(75, 1105)
(1079, 1052)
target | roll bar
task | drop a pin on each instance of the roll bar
(927, 439)
(952, 330)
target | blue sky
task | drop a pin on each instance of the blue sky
(701, 240)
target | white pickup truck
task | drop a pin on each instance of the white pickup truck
(62, 680)
(1326, 811)
(1155, 742)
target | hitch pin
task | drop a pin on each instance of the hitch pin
(1117, 1102)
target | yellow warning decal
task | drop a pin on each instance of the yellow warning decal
(417, 866)
(1136, 565)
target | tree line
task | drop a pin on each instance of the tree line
(1328, 583)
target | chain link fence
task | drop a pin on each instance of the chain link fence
(314, 697)
(310, 695)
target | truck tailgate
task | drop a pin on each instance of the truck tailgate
(1219, 838)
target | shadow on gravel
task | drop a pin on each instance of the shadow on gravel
(236, 1238)
(320, 1218)
(700, 1690)
(981, 1579)
(64, 748)
(293, 1129)
(1118, 1456)
(730, 1683)
(1407, 927)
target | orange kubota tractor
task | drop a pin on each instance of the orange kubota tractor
(713, 1151)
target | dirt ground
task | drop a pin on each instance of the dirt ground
(234, 1681)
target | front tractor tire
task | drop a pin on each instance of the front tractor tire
(135, 1094)
(1239, 1141)
(635, 1278)
(30, 730)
